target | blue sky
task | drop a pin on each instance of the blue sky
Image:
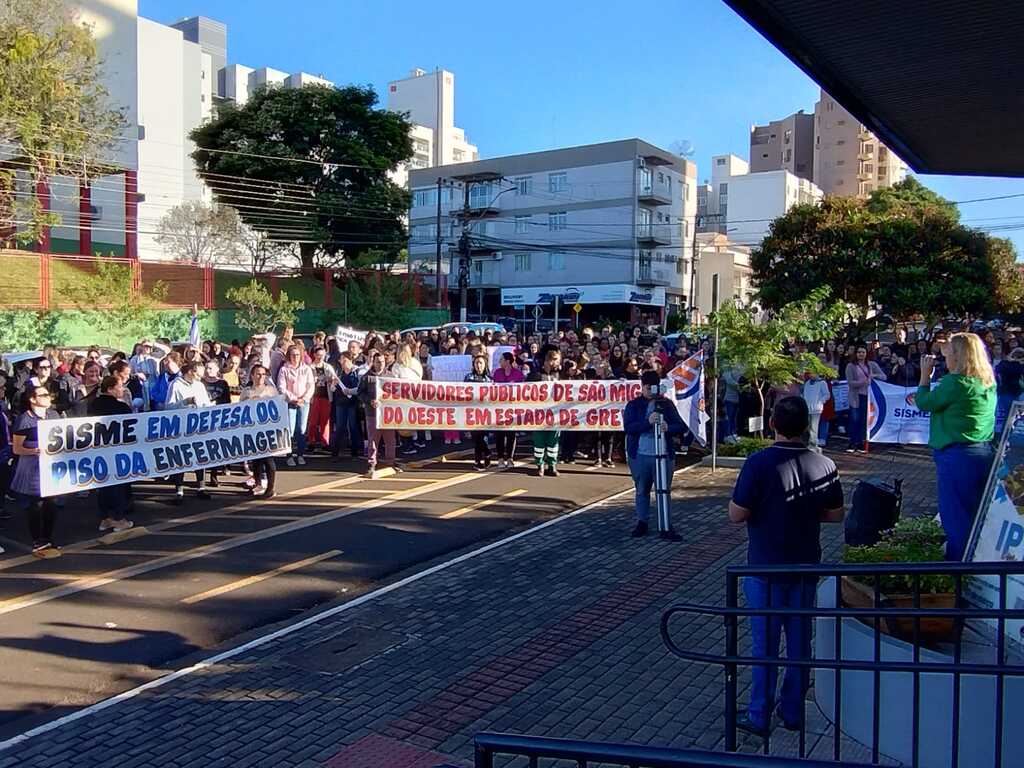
(535, 75)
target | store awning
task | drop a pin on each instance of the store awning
(939, 81)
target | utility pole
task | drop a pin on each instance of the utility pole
(438, 240)
(697, 223)
(464, 253)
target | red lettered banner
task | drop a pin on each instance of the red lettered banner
(574, 405)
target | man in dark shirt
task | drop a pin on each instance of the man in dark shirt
(784, 493)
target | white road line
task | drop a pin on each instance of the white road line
(250, 580)
(93, 582)
(481, 504)
(297, 626)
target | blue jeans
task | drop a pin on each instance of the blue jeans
(731, 412)
(298, 415)
(346, 422)
(642, 468)
(962, 471)
(765, 636)
(858, 421)
(823, 432)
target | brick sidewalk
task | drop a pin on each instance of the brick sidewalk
(555, 633)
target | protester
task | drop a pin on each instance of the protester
(481, 453)
(264, 470)
(962, 409)
(188, 391)
(295, 380)
(1010, 384)
(40, 510)
(545, 441)
(859, 375)
(112, 501)
(505, 439)
(346, 409)
(783, 494)
(368, 397)
(816, 394)
(325, 380)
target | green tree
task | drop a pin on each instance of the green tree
(258, 311)
(118, 308)
(903, 249)
(55, 115)
(25, 331)
(757, 345)
(379, 302)
(321, 157)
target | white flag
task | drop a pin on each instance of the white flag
(687, 380)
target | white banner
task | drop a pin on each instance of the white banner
(893, 417)
(841, 395)
(94, 451)
(496, 353)
(588, 405)
(345, 335)
(687, 381)
(451, 367)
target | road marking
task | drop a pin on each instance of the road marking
(259, 577)
(299, 625)
(128, 552)
(93, 582)
(209, 534)
(41, 576)
(481, 504)
(268, 517)
(361, 491)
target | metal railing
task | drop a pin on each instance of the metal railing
(584, 753)
(881, 611)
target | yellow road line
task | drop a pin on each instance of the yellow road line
(25, 576)
(481, 504)
(95, 581)
(248, 581)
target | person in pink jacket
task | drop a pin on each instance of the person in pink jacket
(295, 380)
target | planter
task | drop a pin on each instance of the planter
(932, 630)
(725, 462)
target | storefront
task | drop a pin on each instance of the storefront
(610, 301)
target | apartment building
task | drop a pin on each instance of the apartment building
(604, 225)
(718, 255)
(784, 145)
(741, 203)
(849, 160)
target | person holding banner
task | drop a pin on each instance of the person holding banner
(963, 410)
(545, 442)
(505, 439)
(112, 501)
(368, 398)
(481, 453)
(41, 511)
(264, 471)
(189, 391)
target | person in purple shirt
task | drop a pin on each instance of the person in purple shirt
(505, 439)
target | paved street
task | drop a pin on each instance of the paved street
(107, 616)
(553, 633)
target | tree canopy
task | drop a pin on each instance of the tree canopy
(310, 166)
(55, 115)
(903, 249)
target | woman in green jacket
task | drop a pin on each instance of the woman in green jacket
(963, 417)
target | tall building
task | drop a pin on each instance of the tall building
(784, 145)
(605, 225)
(849, 160)
(742, 204)
(428, 98)
(717, 255)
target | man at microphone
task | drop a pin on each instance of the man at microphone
(639, 419)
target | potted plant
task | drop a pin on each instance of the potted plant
(744, 446)
(912, 540)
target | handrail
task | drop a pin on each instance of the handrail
(488, 745)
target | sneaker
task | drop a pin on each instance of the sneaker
(250, 482)
(290, 461)
(410, 452)
(456, 441)
(553, 471)
(420, 444)
(46, 551)
(123, 525)
(269, 495)
(745, 723)
(669, 536)
(447, 441)
(639, 530)
(369, 474)
(300, 461)
(479, 467)
(610, 464)
(202, 493)
(540, 470)
(107, 524)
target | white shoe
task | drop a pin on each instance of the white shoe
(300, 461)
(123, 525)
(291, 461)
(447, 441)
(107, 524)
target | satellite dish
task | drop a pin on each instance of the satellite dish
(682, 147)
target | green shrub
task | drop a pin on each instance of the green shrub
(744, 446)
(913, 540)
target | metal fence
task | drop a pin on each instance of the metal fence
(913, 620)
(489, 746)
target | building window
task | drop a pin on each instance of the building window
(720, 161)
(840, 122)
(556, 261)
(458, 155)
(524, 185)
(723, 188)
(557, 220)
(645, 218)
(840, 162)
(522, 262)
(686, 229)
(661, 177)
(481, 194)
(522, 225)
(789, 155)
(787, 137)
(558, 182)
(841, 142)
(423, 197)
(686, 191)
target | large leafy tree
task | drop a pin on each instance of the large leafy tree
(903, 249)
(310, 166)
(56, 118)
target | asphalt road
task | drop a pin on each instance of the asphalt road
(108, 615)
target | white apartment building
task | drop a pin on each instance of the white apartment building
(742, 204)
(605, 225)
(428, 98)
(717, 255)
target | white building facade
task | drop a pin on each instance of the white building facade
(605, 226)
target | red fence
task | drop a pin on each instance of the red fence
(49, 281)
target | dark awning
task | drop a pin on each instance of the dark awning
(941, 82)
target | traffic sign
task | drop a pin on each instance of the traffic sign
(537, 312)
(577, 308)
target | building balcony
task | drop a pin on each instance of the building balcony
(649, 275)
(654, 194)
(654, 234)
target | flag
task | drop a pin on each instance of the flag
(193, 330)
(687, 380)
